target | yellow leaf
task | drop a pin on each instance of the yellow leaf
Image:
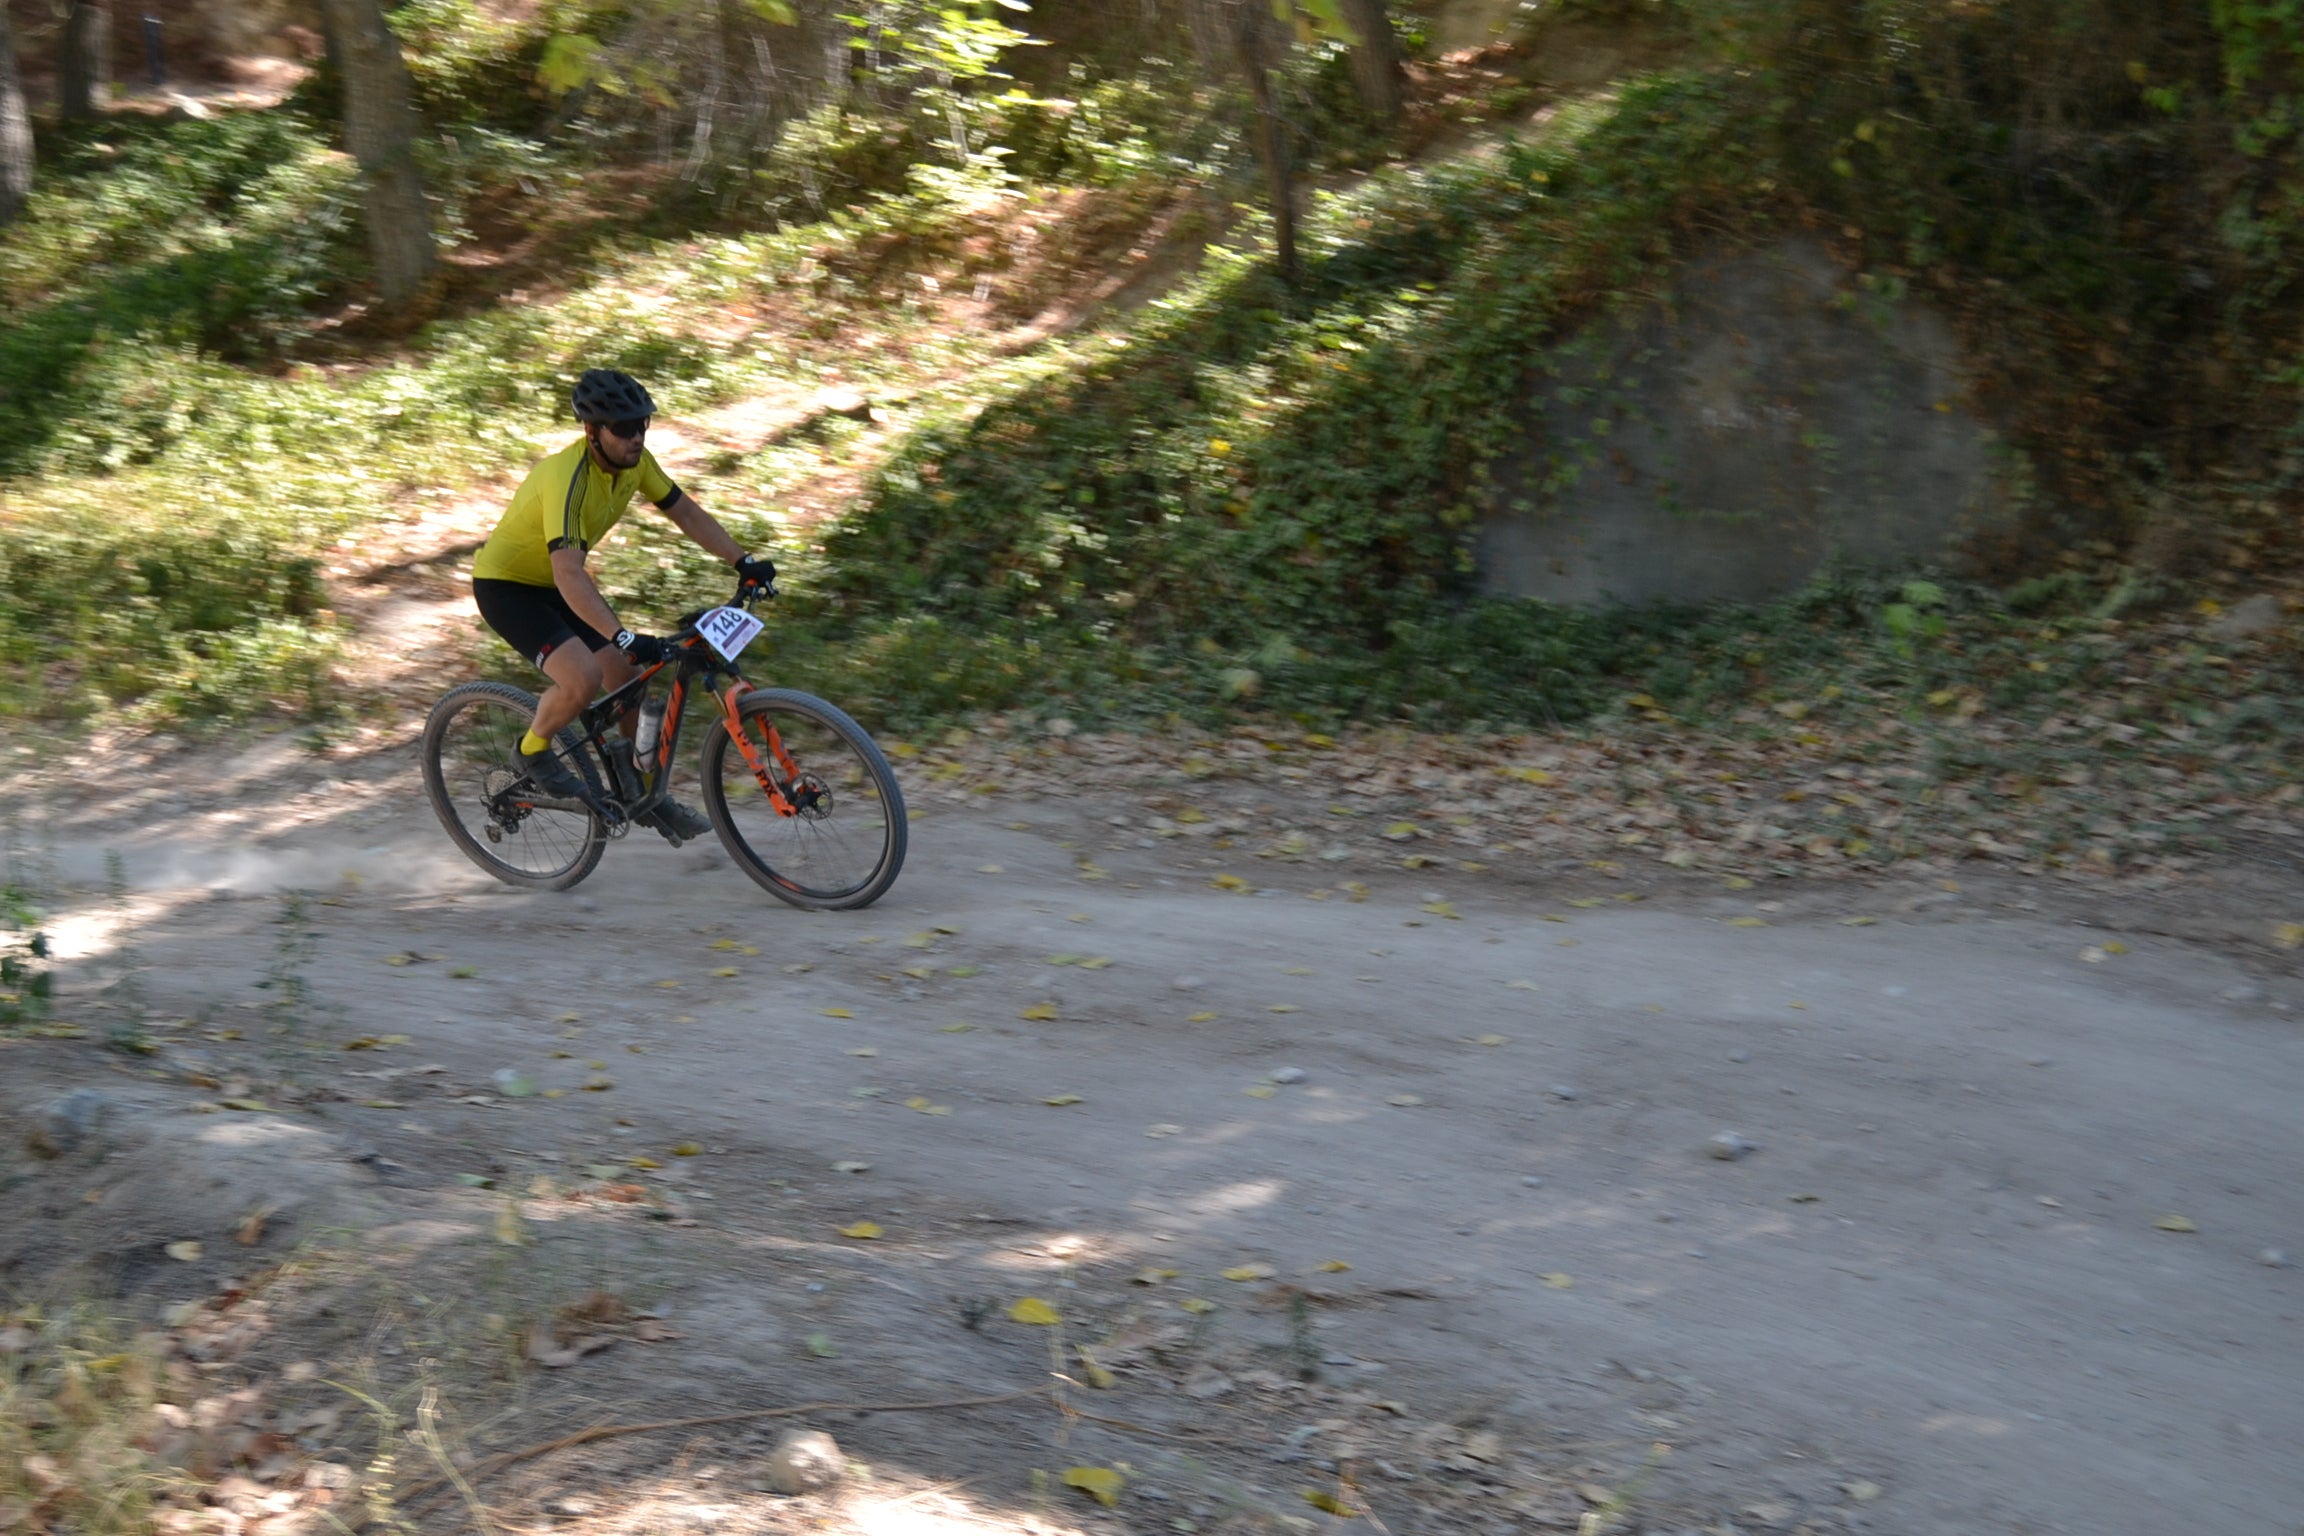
(2288, 935)
(1557, 1281)
(1589, 901)
(1096, 962)
(1283, 1008)
(1098, 1377)
(1858, 922)
(1260, 1091)
(723, 971)
(1218, 447)
(1328, 1503)
(1039, 1012)
(668, 985)
(1492, 1040)
(957, 1029)
(917, 1102)
(1059, 1100)
(1196, 1305)
(186, 1252)
(688, 1149)
(1747, 922)
(1242, 1272)
(723, 943)
(1200, 1018)
(644, 1162)
(2115, 948)
(1100, 1483)
(1191, 816)
(1738, 883)
(838, 1013)
(511, 1231)
(1440, 909)
(2177, 1224)
(1400, 829)
(1091, 870)
(1229, 883)
(863, 1231)
(1523, 986)
(865, 1050)
(1530, 775)
(1031, 1309)
(1334, 1267)
(1153, 1276)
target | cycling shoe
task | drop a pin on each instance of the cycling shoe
(552, 776)
(679, 823)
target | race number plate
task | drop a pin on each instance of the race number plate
(728, 630)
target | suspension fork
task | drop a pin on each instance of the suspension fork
(770, 781)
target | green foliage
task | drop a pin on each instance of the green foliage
(26, 984)
(1245, 469)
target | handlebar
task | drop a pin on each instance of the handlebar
(747, 593)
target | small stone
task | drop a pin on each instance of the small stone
(2273, 1258)
(1739, 1056)
(2243, 993)
(1189, 983)
(803, 1461)
(1729, 1147)
(1534, 1181)
(1862, 1491)
(1289, 1075)
(61, 1125)
(1563, 1093)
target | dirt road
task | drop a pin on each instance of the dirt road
(1939, 1294)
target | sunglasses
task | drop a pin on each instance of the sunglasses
(637, 427)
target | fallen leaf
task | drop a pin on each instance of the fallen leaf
(1328, 1503)
(1747, 922)
(820, 1345)
(1100, 1483)
(1059, 1100)
(687, 1149)
(1441, 909)
(955, 1029)
(2177, 1224)
(463, 972)
(1404, 1101)
(724, 944)
(865, 1050)
(511, 1231)
(1492, 1040)
(1523, 986)
(1245, 1272)
(1200, 1018)
(921, 940)
(1039, 1013)
(1858, 922)
(250, 1232)
(838, 1013)
(1098, 1377)
(990, 869)
(851, 1166)
(1230, 883)
(2288, 935)
(1158, 1131)
(963, 971)
(1096, 963)
(1557, 1281)
(1334, 1267)
(1804, 1199)
(643, 1162)
(1153, 1276)
(1283, 1008)
(724, 971)
(186, 1252)
(862, 1231)
(1197, 1305)
(1260, 1091)
(1031, 1309)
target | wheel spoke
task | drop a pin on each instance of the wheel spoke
(479, 772)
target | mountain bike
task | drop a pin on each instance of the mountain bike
(798, 793)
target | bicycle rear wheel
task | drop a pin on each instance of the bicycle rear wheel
(473, 777)
(843, 843)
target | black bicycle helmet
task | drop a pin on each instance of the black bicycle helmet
(603, 394)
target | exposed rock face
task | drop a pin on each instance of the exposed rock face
(1768, 417)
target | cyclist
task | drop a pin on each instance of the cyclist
(531, 586)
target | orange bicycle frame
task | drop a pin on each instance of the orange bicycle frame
(753, 759)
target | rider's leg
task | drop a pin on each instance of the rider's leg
(576, 674)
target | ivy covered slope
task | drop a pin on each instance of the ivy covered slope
(1264, 492)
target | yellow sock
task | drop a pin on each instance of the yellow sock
(532, 744)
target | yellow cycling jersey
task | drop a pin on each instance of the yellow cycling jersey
(566, 499)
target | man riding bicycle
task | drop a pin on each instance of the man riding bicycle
(531, 586)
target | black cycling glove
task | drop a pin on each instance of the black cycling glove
(643, 650)
(756, 571)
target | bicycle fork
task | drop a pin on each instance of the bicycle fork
(770, 782)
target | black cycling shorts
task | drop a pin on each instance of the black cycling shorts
(535, 621)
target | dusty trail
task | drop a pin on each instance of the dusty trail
(1939, 1273)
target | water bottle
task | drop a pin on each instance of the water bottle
(651, 726)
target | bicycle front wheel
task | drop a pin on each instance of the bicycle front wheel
(473, 777)
(838, 840)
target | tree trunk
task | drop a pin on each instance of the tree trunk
(84, 61)
(380, 130)
(15, 129)
(1375, 59)
(1271, 136)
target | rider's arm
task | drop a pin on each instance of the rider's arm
(702, 527)
(583, 593)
